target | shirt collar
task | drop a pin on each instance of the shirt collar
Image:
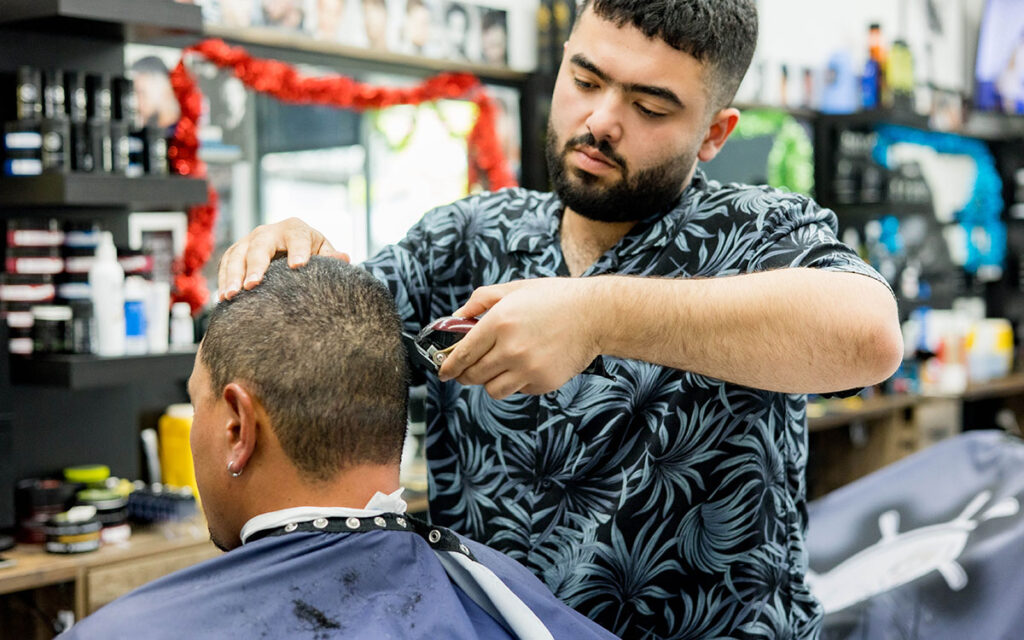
(538, 228)
(378, 504)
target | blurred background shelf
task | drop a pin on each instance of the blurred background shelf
(106, 18)
(94, 190)
(77, 372)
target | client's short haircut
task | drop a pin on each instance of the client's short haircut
(320, 346)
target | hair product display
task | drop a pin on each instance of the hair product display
(71, 120)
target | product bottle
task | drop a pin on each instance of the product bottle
(182, 329)
(158, 312)
(873, 80)
(106, 282)
(136, 293)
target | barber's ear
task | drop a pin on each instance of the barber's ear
(242, 423)
(722, 126)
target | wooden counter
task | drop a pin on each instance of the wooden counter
(103, 575)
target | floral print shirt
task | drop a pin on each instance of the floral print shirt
(663, 504)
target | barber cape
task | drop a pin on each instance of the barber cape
(322, 573)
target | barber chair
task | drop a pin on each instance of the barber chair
(928, 548)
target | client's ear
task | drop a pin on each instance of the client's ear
(242, 424)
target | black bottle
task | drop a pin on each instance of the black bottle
(54, 127)
(28, 93)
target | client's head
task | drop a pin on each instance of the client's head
(300, 395)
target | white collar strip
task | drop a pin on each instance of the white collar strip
(378, 504)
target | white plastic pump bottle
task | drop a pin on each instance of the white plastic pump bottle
(106, 281)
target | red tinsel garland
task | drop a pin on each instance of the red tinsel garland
(285, 83)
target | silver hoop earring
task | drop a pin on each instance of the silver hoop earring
(231, 470)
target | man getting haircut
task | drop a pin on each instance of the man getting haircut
(300, 393)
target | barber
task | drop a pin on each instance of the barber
(669, 502)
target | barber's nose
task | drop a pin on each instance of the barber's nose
(605, 122)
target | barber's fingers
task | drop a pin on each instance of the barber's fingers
(503, 385)
(470, 350)
(301, 241)
(484, 298)
(244, 264)
(232, 269)
(263, 244)
(490, 366)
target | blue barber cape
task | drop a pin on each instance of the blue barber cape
(375, 584)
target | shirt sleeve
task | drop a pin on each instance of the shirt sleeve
(803, 234)
(423, 271)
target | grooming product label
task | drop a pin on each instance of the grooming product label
(42, 265)
(23, 167)
(23, 140)
(20, 319)
(27, 292)
(20, 346)
(34, 238)
(75, 290)
(79, 264)
(81, 239)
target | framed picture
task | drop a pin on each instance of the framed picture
(161, 234)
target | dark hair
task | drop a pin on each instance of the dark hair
(320, 346)
(150, 64)
(493, 18)
(456, 8)
(719, 33)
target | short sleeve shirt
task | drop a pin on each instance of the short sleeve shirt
(661, 504)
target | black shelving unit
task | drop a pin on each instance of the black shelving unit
(95, 189)
(78, 372)
(108, 18)
(66, 410)
(827, 131)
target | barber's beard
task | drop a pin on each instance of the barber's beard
(650, 191)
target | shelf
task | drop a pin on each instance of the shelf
(1009, 386)
(870, 211)
(102, 17)
(94, 190)
(879, 116)
(837, 414)
(296, 42)
(797, 112)
(78, 372)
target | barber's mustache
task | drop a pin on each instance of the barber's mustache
(588, 140)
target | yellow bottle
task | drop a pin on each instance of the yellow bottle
(175, 453)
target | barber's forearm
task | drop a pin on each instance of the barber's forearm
(791, 330)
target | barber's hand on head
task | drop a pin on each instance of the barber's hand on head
(245, 262)
(535, 336)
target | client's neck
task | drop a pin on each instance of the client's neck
(351, 488)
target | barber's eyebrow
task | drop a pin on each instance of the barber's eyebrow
(657, 92)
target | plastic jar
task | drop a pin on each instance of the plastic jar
(71, 532)
(93, 476)
(51, 329)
